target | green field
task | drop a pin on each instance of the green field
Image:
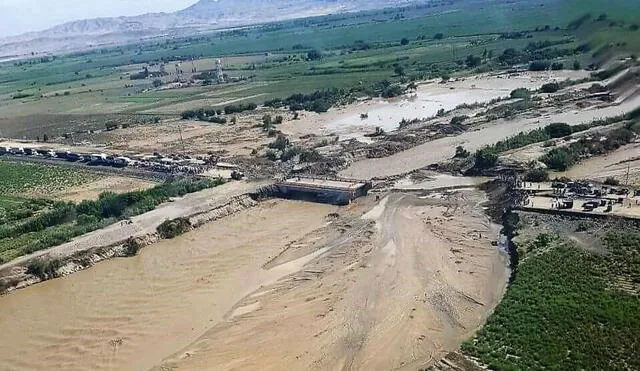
(567, 309)
(18, 178)
(25, 196)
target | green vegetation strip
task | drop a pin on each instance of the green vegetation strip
(565, 311)
(564, 157)
(50, 224)
(319, 101)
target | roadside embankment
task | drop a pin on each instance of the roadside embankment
(125, 238)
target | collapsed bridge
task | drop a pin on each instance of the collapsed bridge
(324, 190)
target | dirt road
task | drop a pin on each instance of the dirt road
(443, 149)
(402, 286)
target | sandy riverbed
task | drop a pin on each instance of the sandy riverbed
(283, 285)
(128, 314)
(423, 282)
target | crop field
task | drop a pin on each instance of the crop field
(567, 309)
(20, 185)
(357, 49)
(35, 179)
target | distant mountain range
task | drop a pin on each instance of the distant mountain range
(202, 16)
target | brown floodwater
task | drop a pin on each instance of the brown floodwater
(129, 314)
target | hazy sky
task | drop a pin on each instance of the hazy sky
(19, 16)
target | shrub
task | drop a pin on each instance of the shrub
(559, 159)
(131, 247)
(44, 269)
(457, 120)
(521, 93)
(236, 175)
(281, 143)
(551, 87)
(290, 152)
(486, 158)
(173, 228)
(267, 121)
(538, 66)
(272, 155)
(557, 66)
(404, 41)
(314, 55)
(611, 181)
(576, 65)
(392, 91)
(605, 74)
(461, 152)
(576, 23)
(21, 95)
(238, 108)
(217, 120)
(274, 103)
(438, 36)
(558, 130)
(596, 88)
(473, 61)
(310, 155)
(111, 205)
(536, 175)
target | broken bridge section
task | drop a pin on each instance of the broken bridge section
(333, 191)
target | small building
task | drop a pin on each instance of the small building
(330, 191)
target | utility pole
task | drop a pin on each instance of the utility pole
(628, 170)
(184, 150)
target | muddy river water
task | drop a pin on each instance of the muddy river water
(430, 98)
(129, 314)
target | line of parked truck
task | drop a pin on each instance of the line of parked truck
(157, 162)
(92, 159)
